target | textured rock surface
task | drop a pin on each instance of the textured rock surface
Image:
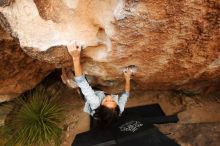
(174, 44)
(19, 72)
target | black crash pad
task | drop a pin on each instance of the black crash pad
(135, 128)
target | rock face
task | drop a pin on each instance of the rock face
(174, 44)
(19, 72)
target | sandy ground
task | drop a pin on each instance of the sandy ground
(197, 115)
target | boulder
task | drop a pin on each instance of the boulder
(19, 72)
(174, 44)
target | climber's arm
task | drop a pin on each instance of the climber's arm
(127, 76)
(127, 83)
(75, 51)
(80, 79)
(124, 97)
(87, 91)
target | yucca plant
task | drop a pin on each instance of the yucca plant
(36, 122)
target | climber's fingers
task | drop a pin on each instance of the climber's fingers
(125, 70)
(74, 50)
(72, 47)
(79, 47)
(128, 72)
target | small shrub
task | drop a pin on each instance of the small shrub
(2, 138)
(36, 120)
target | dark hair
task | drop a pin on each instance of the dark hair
(106, 117)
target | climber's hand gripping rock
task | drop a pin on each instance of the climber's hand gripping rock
(74, 50)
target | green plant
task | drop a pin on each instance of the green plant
(36, 121)
(2, 138)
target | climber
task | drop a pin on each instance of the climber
(105, 109)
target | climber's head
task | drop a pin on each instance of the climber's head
(109, 102)
(107, 113)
